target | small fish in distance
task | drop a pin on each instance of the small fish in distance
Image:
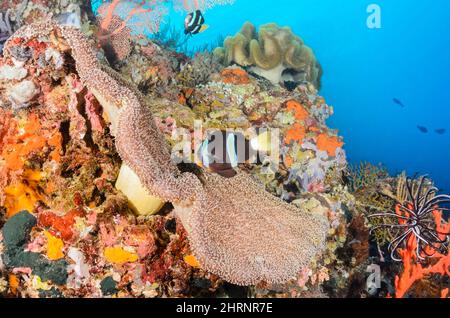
(398, 102)
(423, 129)
(441, 131)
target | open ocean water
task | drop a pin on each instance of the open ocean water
(365, 69)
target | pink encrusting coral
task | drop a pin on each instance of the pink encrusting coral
(140, 16)
(146, 16)
(93, 110)
(236, 229)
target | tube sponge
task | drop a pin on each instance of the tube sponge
(271, 52)
(138, 197)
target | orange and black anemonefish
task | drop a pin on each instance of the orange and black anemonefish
(194, 23)
(221, 151)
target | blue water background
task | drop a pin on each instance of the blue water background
(364, 69)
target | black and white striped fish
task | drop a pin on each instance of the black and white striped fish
(195, 23)
(223, 151)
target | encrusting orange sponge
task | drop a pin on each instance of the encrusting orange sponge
(117, 255)
(54, 247)
(236, 76)
(33, 138)
(23, 195)
(300, 113)
(191, 261)
(296, 133)
(329, 144)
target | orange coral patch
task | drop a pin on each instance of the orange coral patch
(16, 41)
(235, 76)
(441, 227)
(288, 161)
(50, 187)
(296, 133)
(13, 283)
(191, 261)
(60, 226)
(23, 195)
(55, 247)
(329, 144)
(118, 255)
(7, 127)
(37, 46)
(32, 138)
(300, 112)
(182, 99)
(414, 270)
(56, 142)
(314, 129)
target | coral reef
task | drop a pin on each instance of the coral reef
(272, 52)
(364, 176)
(73, 12)
(101, 194)
(234, 99)
(423, 271)
(198, 71)
(198, 200)
(16, 233)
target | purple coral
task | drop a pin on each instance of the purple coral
(5, 28)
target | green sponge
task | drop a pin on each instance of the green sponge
(16, 233)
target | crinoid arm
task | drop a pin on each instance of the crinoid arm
(414, 220)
